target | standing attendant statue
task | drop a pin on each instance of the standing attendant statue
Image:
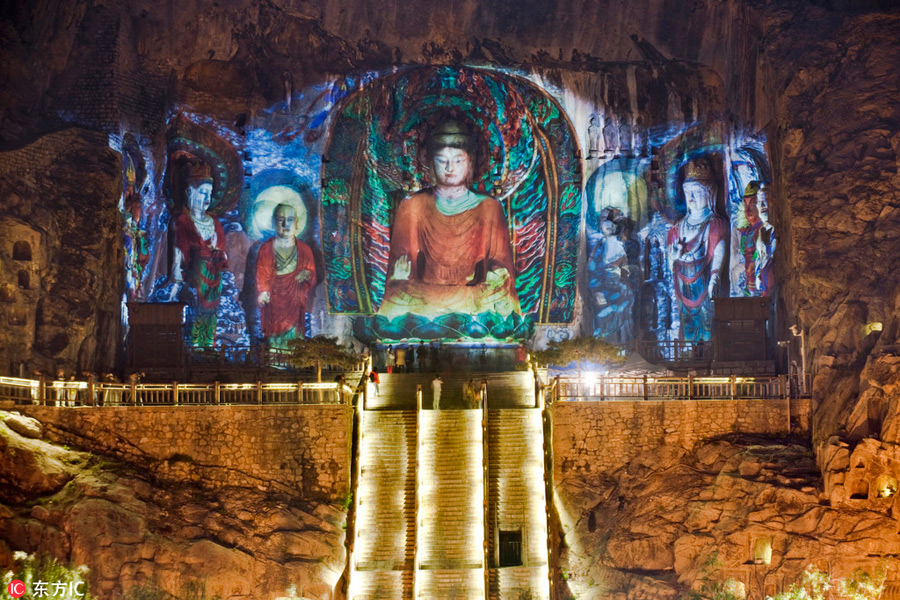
(199, 260)
(696, 252)
(765, 244)
(285, 274)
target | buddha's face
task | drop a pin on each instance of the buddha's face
(751, 208)
(698, 198)
(762, 206)
(607, 227)
(285, 221)
(451, 166)
(199, 197)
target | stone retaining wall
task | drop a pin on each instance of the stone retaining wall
(595, 438)
(297, 450)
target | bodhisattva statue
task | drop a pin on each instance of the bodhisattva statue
(765, 243)
(754, 240)
(450, 246)
(285, 274)
(696, 251)
(199, 260)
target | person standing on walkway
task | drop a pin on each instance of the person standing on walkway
(375, 380)
(400, 362)
(436, 384)
(411, 359)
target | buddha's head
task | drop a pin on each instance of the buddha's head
(751, 202)
(699, 186)
(199, 194)
(284, 219)
(451, 152)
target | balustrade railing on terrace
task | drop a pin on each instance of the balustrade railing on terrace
(88, 393)
(667, 388)
(248, 356)
(676, 351)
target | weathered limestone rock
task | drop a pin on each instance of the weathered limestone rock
(730, 496)
(31, 468)
(227, 541)
(24, 426)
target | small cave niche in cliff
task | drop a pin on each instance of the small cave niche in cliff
(886, 486)
(859, 490)
(22, 251)
(762, 551)
(24, 280)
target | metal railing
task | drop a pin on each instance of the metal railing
(254, 356)
(667, 388)
(418, 504)
(676, 351)
(89, 393)
(485, 488)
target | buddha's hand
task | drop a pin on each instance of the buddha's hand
(176, 289)
(713, 281)
(304, 275)
(263, 298)
(497, 279)
(402, 269)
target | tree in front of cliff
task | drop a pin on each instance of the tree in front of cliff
(321, 351)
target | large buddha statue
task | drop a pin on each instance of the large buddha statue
(450, 247)
(696, 252)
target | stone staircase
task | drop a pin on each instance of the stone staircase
(385, 531)
(438, 554)
(516, 503)
(451, 515)
(505, 390)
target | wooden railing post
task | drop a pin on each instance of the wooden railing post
(217, 393)
(175, 393)
(690, 386)
(646, 393)
(90, 387)
(733, 383)
(259, 394)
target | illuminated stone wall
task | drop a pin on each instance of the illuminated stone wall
(296, 450)
(591, 439)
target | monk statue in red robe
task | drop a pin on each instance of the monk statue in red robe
(285, 275)
(450, 246)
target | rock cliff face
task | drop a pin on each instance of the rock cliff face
(60, 241)
(138, 533)
(754, 505)
(821, 82)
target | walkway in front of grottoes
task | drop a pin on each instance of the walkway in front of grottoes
(451, 487)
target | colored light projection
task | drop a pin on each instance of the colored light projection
(671, 229)
(525, 180)
(304, 219)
